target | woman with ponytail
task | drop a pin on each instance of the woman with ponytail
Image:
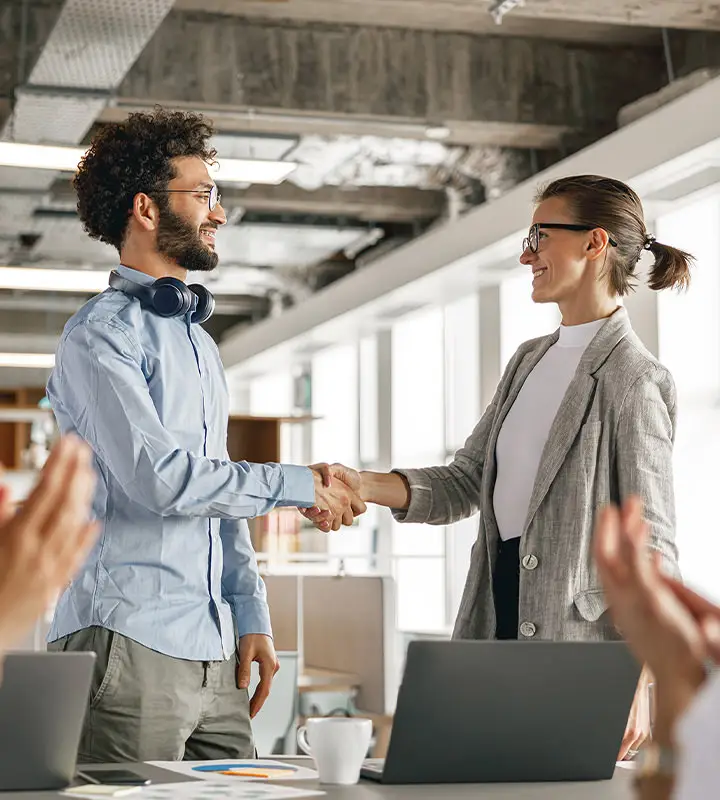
(581, 418)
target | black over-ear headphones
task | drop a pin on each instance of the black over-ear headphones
(168, 297)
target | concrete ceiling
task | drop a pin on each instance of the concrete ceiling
(353, 90)
(622, 20)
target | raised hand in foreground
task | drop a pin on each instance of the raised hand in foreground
(45, 542)
(668, 626)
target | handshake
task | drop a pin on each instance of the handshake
(339, 497)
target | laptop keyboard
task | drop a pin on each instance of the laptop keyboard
(374, 765)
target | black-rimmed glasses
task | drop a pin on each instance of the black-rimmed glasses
(532, 241)
(213, 195)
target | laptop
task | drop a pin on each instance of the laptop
(488, 711)
(43, 697)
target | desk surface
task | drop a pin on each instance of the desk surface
(620, 788)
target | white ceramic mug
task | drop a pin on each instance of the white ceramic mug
(339, 746)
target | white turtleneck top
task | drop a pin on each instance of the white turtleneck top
(526, 428)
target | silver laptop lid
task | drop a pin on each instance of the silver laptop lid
(43, 697)
(481, 711)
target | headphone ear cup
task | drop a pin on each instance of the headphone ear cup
(171, 297)
(205, 303)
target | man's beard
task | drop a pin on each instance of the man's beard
(179, 241)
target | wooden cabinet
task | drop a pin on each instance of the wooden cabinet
(17, 406)
(257, 439)
(254, 438)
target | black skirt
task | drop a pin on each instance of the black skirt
(506, 588)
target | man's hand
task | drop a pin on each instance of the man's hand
(664, 625)
(44, 543)
(260, 648)
(337, 497)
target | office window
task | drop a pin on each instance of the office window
(368, 385)
(462, 347)
(689, 345)
(271, 395)
(418, 416)
(418, 540)
(335, 433)
(462, 370)
(420, 594)
(418, 440)
(689, 322)
(334, 401)
(697, 477)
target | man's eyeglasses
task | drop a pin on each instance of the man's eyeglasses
(213, 195)
(532, 241)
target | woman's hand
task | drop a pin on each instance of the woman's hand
(638, 729)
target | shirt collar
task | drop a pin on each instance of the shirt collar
(135, 275)
(579, 335)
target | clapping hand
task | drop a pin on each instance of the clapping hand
(668, 626)
(337, 497)
(45, 542)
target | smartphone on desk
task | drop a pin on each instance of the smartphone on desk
(113, 777)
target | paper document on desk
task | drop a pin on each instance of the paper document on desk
(241, 769)
(205, 790)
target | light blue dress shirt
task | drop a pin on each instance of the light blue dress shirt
(173, 566)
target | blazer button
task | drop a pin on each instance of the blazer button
(530, 562)
(527, 629)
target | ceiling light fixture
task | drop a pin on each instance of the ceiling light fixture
(66, 159)
(499, 8)
(30, 360)
(232, 280)
(53, 280)
(40, 156)
(437, 132)
(245, 170)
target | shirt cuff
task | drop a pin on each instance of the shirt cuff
(298, 487)
(252, 615)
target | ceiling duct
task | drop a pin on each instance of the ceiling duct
(89, 52)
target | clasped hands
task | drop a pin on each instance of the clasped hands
(338, 497)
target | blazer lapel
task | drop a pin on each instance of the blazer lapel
(573, 408)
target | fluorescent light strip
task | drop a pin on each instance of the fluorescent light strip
(40, 156)
(31, 360)
(232, 280)
(66, 159)
(53, 280)
(243, 170)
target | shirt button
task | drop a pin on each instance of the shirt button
(530, 562)
(527, 629)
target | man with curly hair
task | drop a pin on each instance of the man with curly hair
(170, 598)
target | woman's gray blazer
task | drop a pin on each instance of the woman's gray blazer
(612, 437)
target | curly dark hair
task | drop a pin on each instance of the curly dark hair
(130, 157)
